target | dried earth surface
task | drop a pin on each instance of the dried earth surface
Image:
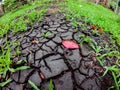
(69, 69)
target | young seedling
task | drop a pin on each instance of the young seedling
(47, 34)
(51, 85)
(115, 73)
(82, 38)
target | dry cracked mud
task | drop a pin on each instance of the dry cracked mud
(69, 69)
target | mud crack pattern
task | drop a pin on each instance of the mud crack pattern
(41, 46)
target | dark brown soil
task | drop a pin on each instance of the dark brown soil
(40, 45)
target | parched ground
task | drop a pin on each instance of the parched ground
(69, 69)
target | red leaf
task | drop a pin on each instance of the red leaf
(70, 44)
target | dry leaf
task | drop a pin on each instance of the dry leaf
(35, 41)
(93, 27)
(100, 30)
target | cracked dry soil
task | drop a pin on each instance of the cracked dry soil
(40, 45)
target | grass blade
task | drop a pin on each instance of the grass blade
(19, 68)
(33, 85)
(51, 85)
(6, 82)
(115, 79)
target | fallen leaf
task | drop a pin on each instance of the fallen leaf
(93, 27)
(100, 30)
(70, 44)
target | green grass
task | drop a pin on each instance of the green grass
(100, 57)
(10, 5)
(33, 85)
(17, 19)
(101, 17)
(115, 73)
(6, 62)
(2, 84)
(96, 15)
(51, 85)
